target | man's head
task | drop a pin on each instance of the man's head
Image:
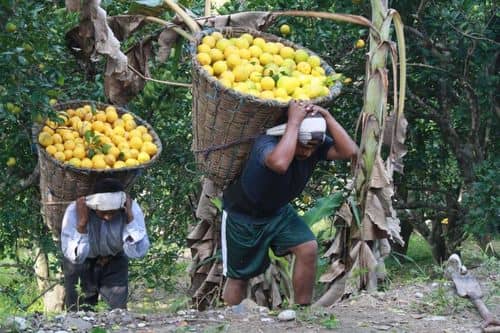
(312, 133)
(108, 198)
(304, 151)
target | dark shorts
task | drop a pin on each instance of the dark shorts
(246, 241)
(109, 281)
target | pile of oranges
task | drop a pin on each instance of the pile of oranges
(265, 69)
(97, 139)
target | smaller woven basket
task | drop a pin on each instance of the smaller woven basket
(60, 183)
(225, 121)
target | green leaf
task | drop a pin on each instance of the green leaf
(331, 323)
(325, 207)
(281, 260)
(91, 152)
(22, 60)
(217, 202)
(147, 7)
(150, 3)
(88, 135)
(355, 210)
(105, 148)
(121, 156)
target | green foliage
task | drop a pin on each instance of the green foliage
(453, 128)
(34, 68)
(324, 207)
(443, 301)
(416, 264)
(483, 201)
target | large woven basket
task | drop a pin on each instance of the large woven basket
(225, 121)
(61, 183)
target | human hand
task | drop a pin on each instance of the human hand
(82, 212)
(318, 109)
(297, 111)
(128, 209)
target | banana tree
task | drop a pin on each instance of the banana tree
(367, 220)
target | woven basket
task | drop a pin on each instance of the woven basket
(225, 121)
(60, 184)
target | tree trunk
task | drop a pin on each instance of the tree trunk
(51, 291)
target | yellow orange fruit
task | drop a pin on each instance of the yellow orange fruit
(135, 142)
(59, 155)
(45, 139)
(143, 157)
(209, 41)
(86, 163)
(285, 29)
(204, 58)
(119, 164)
(149, 148)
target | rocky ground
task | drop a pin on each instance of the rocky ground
(426, 306)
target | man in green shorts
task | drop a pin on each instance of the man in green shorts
(257, 213)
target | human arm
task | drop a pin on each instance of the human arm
(74, 244)
(135, 239)
(279, 159)
(344, 147)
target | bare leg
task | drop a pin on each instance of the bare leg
(304, 271)
(234, 291)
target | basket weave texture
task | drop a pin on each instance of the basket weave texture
(60, 184)
(225, 121)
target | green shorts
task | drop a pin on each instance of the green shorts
(246, 241)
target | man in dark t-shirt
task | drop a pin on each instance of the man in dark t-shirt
(257, 213)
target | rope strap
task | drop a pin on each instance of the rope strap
(213, 148)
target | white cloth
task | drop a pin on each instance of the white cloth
(106, 201)
(311, 128)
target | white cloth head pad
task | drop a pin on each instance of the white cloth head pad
(106, 201)
(311, 129)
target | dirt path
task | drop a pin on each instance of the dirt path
(428, 307)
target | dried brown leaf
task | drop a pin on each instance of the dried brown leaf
(380, 177)
(399, 149)
(123, 25)
(374, 221)
(119, 88)
(166, 40)
(105, 41)
(336, 247)
(206, 209)
(254, 20)
(215, 274)
(333, 272)
(199, 231)
(345, 213)
(334, 292)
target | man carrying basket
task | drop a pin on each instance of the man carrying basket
(257, 212)
(100, 232)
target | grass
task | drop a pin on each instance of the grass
(17, 290)
(417, 264)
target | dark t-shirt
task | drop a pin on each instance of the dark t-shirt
(262, 192)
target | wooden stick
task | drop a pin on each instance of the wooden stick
(208, 8)
(172, 26)
(172, 83)
(190, 22)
